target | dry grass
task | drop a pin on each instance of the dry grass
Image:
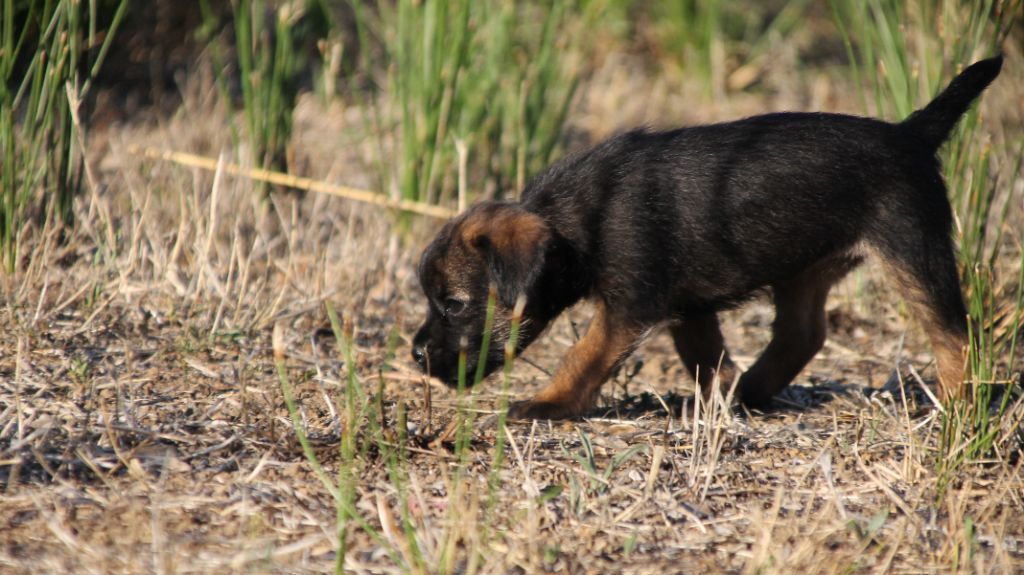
(142, 428)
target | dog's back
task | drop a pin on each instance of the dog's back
(736, 206)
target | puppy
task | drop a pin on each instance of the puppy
(672, 227)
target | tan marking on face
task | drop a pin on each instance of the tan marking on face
(512, 231)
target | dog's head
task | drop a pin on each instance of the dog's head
(492, 244)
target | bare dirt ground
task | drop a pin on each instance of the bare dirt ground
(143, 428)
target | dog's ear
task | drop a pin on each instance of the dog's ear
(513, 242)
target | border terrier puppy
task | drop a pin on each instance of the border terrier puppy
(669, 228)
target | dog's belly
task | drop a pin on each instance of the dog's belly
(728, 289)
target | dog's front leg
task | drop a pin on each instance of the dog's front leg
(587, 365)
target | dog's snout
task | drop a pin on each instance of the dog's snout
(419, 355)
(419, 348)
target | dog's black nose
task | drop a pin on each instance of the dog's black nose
(419, 355)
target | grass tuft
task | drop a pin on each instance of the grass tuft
(56, 48)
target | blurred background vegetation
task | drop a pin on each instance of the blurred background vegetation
(497, 78)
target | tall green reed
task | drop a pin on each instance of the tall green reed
(58, 47)
(269, 61)
(703, 36)
(904, 53)
(496, 76)
(267, 66)
(692, 31)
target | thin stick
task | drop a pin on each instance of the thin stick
(927, 391)
(460, 148)
(282, 179)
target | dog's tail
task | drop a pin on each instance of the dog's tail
(934, 122)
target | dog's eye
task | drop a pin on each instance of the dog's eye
(453, 307)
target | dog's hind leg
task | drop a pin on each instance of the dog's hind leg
(923, 265)
(939, 307)
(609, 340)
(798, 332)
(701, 346)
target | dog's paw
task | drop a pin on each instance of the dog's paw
(531, 409)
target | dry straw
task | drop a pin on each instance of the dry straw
(297, 182)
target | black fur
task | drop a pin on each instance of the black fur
(934, 122)
(698, 219)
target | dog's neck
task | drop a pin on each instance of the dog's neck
(567, 277)
(564, 280)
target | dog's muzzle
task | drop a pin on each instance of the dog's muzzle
(419, 355)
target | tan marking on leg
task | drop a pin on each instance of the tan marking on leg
(949, 345)
(949, 340)
(585, 368)
(950, 350)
